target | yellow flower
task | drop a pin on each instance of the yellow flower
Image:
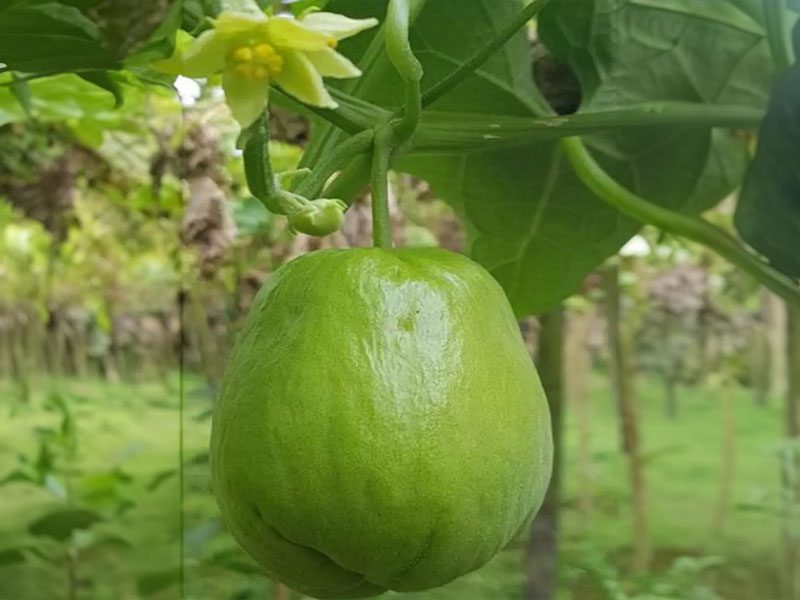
(252, 49)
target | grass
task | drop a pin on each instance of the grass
(134, 429)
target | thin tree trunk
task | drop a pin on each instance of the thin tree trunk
(281, 592)
(204, 337)
(542, 550)
(728, 463)
(776, 315)
(59, 348)
(620, 343)
(791, 463)
(578, 366)
(671, 396)
(5, 346)
(761, 355)
(72, 573)
(704, 323)
(19, 366)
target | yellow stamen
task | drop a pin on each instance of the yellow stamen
(243, 54)
(265, 52)
(332, 43)
(267, 56)
(244, 71)
(260, 72)
(275, 65)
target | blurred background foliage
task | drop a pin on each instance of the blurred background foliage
(130, 250)
(129, 254)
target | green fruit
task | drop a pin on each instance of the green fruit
(380, 425)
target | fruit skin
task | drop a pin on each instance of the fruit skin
(380, 425)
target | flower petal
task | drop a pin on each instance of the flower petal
(245, 8)
(205, 56)
(338, 26)
(288, 33)
(330, 63)
(247, 98)
(299, 78)
(230, 24)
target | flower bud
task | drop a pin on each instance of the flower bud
(319, 217)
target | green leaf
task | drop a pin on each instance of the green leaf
(531, 222)
(83, 106)
(234, 559)
(442, 43)
(796, 37)
(711, 52)
(152, 583)
(714, 11)
(60, 524)
(161, 478)
(251, 217)
(22, 92)
(195, 13)
(10, 556)
(105, 81)
(768, 214)
(501, 86)
(49, 37)
(18, 476)
(537, 229)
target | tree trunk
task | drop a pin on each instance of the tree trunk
(19, 366)
(620, 345)
(281, 592)
(704, 323)
(791, 462)
(761, 354)
(210, 355)
(542, 550)
(578, 365)
(777, 327)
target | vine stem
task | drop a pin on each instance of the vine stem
(312, 184)
(485, 53)
(395, 132)
(258, 168)
(449, 130)
(780, 43)
(351, 181)
(265, 185)
(381, 219)
(261, 179)
(693, 228)
(398, 47)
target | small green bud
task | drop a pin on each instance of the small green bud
(319, 217)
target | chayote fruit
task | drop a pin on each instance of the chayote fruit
(380, 425)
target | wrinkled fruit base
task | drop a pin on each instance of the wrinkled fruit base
(381, 425)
